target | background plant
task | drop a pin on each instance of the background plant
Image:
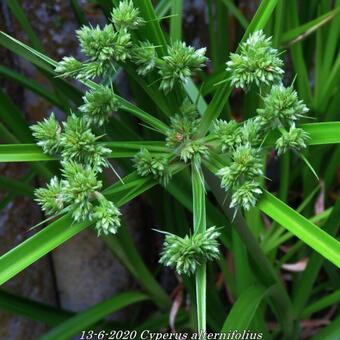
(258, 259)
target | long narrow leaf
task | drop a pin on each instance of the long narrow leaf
(298, 225)
(84, 320)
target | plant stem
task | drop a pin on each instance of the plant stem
(199, 222)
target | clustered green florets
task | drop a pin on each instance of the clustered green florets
(126, 16)
(99, 105)
(258, 62)
(75, 141)
(78, 191)
(188, 253)
(155, 165)
(282, 107)
(295, 139)
(181, 135)
(82, 159)
(241, 175)
(113, 44)
(179, 64)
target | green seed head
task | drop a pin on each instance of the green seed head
(98, 105)
(282, 107)
(179, 64)
(106, 216)
(48, 134)
(257, 63)
(187, 254)
(295, 139)
(126, 16)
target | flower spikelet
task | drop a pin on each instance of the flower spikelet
(99, 105)
(257, 62)
(106, 216)
(187, 254)
(179, 64)
(126, 16)
(80, 187)
(48, 134)
(51, 198)
(295, 139)
(80, 144)
(144, 55)
(282, 107)
(246, 195)
(155, 165)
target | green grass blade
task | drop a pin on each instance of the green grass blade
(91, 316)
(199, 222)
(322, 303)
(176, 20)
(309, 276)
(299, 33)
(33, 153)
(233, 9)
(18, 12)
(320, 134)
(298, 225)
(33, 310)
(330, 332)
(261, 266)
(31, 85)
(244, 309)
(78, 13)
(22, 153)
(16, 186)
(122, 245)
(14, 118)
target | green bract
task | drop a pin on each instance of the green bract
(257, 62)
(188, 253)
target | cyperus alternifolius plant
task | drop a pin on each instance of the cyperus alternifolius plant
(240, 144)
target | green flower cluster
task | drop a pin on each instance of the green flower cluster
(295, 139)
(82, 159)
(188, 253)
(77, 193)
(155, 165)
(258, 62)
(99, 105)
(241, 175)
(282, 109)
(112, 44)
(181, 135)
(75, 141)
